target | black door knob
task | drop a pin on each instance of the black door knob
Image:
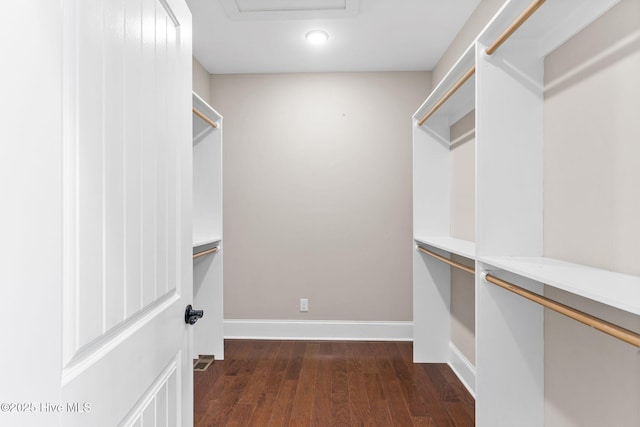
(191, 316)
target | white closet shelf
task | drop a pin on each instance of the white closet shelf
(452, 245)
(461, 102)
(205, 241)
(617, 290)
(200, 126)
(550, 26)
(202, 106)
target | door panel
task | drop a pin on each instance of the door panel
(127, 210)
(122, 177)
(96, 219)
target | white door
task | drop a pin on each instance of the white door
(95, 168)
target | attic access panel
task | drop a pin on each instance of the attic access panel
(259, 10)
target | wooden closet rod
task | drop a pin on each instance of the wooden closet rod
(582, 317)
(535, 4)
(207, 252)
(455, 264)
(205, 118)
(447, 95)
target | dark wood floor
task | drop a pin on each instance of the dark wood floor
(316, 383)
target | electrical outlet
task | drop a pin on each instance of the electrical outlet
(304, 304)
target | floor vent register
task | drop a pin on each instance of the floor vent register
(203, 363)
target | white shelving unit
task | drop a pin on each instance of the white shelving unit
(432, 168)
(208, 335)
(507, 93)
(200, 244)
(614, 289)
(452, 245)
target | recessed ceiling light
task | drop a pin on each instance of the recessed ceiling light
(317, 37)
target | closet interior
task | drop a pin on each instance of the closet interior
(483, 218)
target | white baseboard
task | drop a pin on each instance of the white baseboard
(463, 369)
(318, 330)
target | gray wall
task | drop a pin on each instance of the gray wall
(317, 193)
(592, 211)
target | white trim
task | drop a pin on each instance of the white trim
(463, 369)
(318, 330)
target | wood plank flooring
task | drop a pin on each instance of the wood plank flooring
(328, 383)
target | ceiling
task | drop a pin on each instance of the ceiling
(267, 36)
